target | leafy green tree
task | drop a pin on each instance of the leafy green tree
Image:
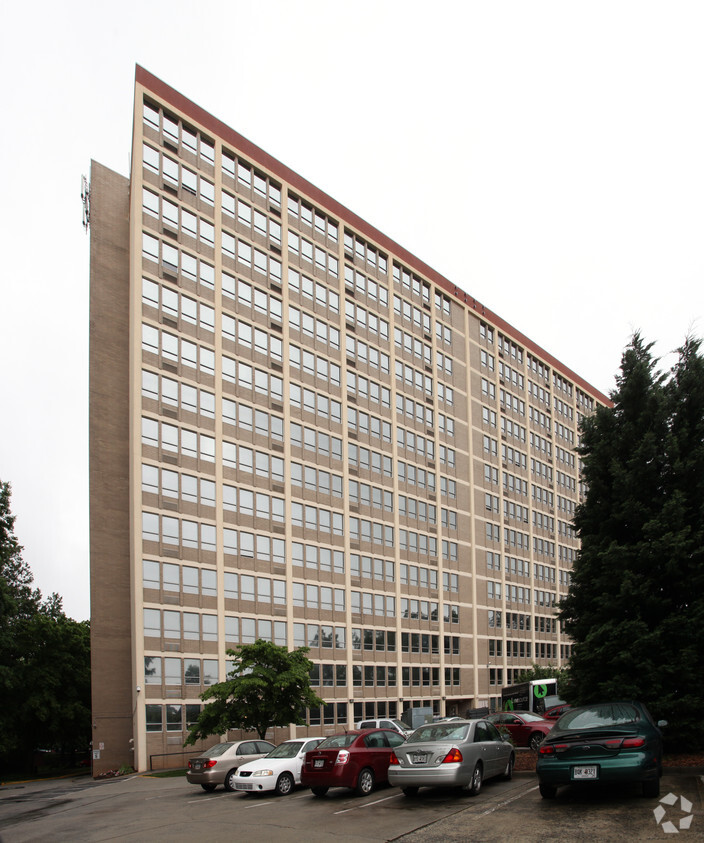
(44, 660)
(268, 686)
(634, 608)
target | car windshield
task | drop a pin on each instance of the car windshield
(595, 716)
(218, 749)
(528, 716)
(337, 741)
(440, 732)
(286, 750)
(399, 725)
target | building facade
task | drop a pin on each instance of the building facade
(300, 432)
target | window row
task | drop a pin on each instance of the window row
(191, 626)
(249, 180)
(173, 305)
(411, 314)
(177, 176)
(317, 403)
(177, 133)
(366, 354)
(314, 365)
(316, 479)
(314, 328)
(356, 282)
(236, 210)
(368, 390)
(315, 291)
(252, 338)
(173, 393)
(178, 672)
(308, 517)
(239, 250)
(359, 248)
(248, 377)
(304, 214)
(250, 296)
(417, 411)
(318, 441)
(364, 424)
(312, 253)
(413, 378)
(177, 350)
(174, 216)
(158, 480)
(355, 314)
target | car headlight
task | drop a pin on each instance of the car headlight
(263, 773)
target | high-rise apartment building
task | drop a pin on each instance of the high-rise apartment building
(300, 432)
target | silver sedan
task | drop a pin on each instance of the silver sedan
(453, 754)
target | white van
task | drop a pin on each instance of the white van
(385, 723)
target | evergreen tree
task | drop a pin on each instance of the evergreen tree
(636, 583)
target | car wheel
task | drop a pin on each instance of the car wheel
(230, 780)
(508, 772)
(475, 783)
(319, 791)
(651, 788)
(535, 740)
(410, 791)
(548, 791)
(208, 788)
(284, 784)
(365, 782)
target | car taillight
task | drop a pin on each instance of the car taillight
(632, 743)
(211, 762)
(190, 764)
(552, 748)
(393, 759)
(343, 756)
(452, 757)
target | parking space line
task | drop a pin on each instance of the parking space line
(368, 804)
(508, 801)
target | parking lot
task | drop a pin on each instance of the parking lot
(143, 808)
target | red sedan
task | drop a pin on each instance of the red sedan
(525, 728)
(355, 759)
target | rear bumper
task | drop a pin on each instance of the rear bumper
(450, 775)
(630, 767)
(341, 775)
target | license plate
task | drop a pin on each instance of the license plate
(197, 767)
(585, 773)
(319, 762)
(420, 758)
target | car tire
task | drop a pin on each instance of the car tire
(475, 783)
(508, 772)
(651, 788)
(319, 791)
(284, 784)
(410, 791)
(535, 740)
(547, 791)
(208, 788)
(365, 782)
(230, 780)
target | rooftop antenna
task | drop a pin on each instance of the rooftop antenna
(85, 197)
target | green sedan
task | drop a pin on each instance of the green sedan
(605, 742)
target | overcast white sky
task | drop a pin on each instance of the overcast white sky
(547, 157)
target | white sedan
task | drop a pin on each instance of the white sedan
(280, 770)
